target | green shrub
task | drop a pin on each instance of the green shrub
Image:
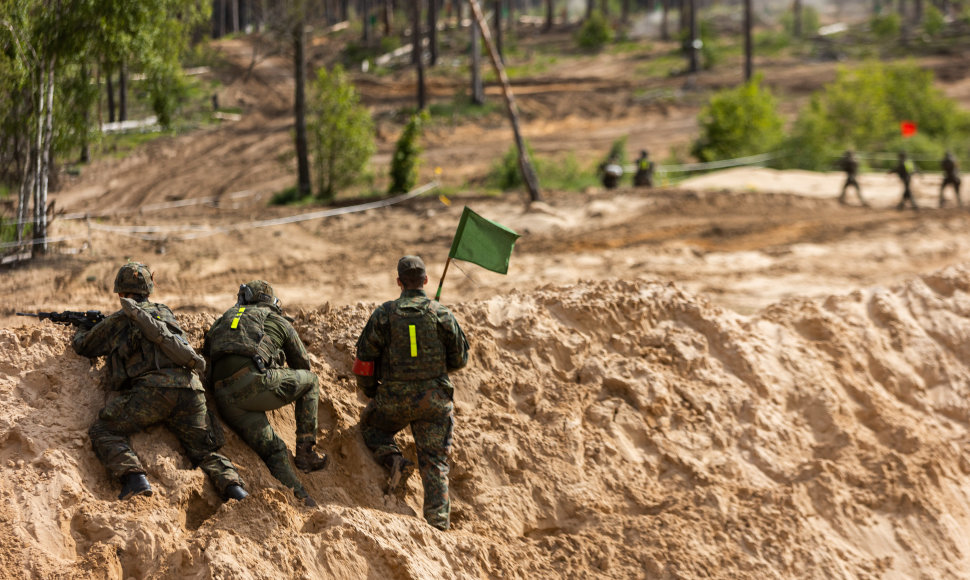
(886, 26)
(862, 110)
(340, 132)
(407, 153)
(933, 22)
(739, 122)
(289, 196)
(504, 173)
(595, 32)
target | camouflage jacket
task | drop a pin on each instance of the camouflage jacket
(131, 356)
(278, 346)
(373, 343)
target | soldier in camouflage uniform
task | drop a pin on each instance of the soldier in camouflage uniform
(950, 177)
(155, 390)
(645, 167)
(905, 169)
(248, 347)
(850, 165)
(403, 357)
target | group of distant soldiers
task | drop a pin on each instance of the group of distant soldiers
(610, 171)
(905, 169)
(256, 362)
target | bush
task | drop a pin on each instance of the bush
(862, 110)
(595, 33)
(407, 153)
(340, 133)
(810, 21)
(289, 196)
(505, 174)
(738, 122)
(886, 26)
(933, 22)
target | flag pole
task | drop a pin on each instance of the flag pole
(442, 281)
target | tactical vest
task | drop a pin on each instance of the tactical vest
(135, 355)
(241, 331)
(414, 350)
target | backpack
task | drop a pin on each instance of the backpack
(414, 350)
(241, 331)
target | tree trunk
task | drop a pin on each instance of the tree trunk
(550, 15)
(525, 166)
(365, 22)
(918, 16)
(299, 109)
(605, 7)
(684, 24)
(625, 12)
(748, 45)
(498, 28)
(433, 32)
(220, 17)
(664, 28)
(797, 19)
(590, 6)
(123, 92)
(692, 48)
(45, 139)
(234, 15)
(416, 51)
(388, 16)
(478, 91)
(110, 88)
(26, 193)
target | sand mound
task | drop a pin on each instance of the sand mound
(616, 429)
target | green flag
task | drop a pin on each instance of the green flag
(480, 241)
(483, 242)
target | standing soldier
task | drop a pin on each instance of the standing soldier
(644, 175)
(950, 177)
(850, 165)
(247, 348)
(610, 172)
(156, 389)
(905, 170)
(403, 357)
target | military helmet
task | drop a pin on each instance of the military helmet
(257, 291)
(134, 278)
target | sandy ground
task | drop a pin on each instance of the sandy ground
(734, 378)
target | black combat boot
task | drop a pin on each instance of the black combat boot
(399, 470)
(307, 459)
(134, 484)
(236, 492)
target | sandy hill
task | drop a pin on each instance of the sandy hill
(619, 429)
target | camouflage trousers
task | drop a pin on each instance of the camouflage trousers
(181, 410)
(432, 419)
(243, 403)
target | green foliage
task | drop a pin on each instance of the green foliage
(886, 26)
(595, 33)
(340, 132)
(8, 230)
(407, 154)
(562, 173)
(862, 110)
(933, 22)
(810, 21)
(505, 174)
(617, 152)
(738, 122)
(289, 196)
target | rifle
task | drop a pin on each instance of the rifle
(85, 320)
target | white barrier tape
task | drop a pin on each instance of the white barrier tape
(6, 245)
(196, 231)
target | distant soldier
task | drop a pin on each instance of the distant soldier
(951, 176)
(850, 165)
(610, 172)
(905, 169)
(155, 389)
(644, 175)
(248, 347)
(404, 355)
